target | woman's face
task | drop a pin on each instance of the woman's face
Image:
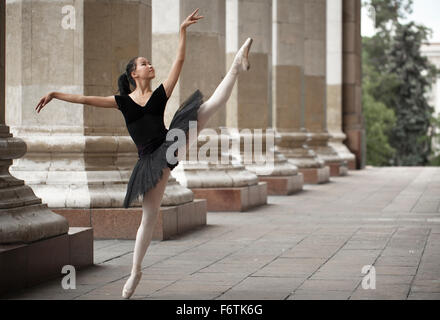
(144, 69)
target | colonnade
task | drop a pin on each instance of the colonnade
(303, 90)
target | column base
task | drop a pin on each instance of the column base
(283, 185)
(25, 265)
(233, 198)
(352, 164)
(338, 168)
(121, 223)
(316, 175)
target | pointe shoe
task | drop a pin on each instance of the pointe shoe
(242, 57)
(128, 292)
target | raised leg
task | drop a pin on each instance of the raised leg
(150, 209)
(223, 91)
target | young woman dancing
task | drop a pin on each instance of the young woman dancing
(143, 111)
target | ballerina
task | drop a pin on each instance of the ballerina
(143, 111)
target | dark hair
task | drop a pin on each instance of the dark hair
(125, 79)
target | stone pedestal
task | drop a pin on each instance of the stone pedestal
(292, 146)
(23, 216)
(124, 223)
(336, 142)
(319, 143)
(218, 176)
(258, 152)
(26, 265)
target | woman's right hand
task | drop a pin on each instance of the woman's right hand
(43, 101)
(191, 19)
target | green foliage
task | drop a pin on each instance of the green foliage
(389, 11)
(396, 78)
(410, 135)
(379, 121)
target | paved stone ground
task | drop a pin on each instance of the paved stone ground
(312, 245)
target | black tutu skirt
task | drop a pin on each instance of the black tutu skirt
(152, 160)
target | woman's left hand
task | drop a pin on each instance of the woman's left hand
(191, 19)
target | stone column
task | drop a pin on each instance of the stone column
(353, 122)
(79, 157)
(288, 90)
(225, 186)
(35, 243)
(334, 82)
(315, 84)
(250, 107)
(23, 216)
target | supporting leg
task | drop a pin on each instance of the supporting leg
(150, 209)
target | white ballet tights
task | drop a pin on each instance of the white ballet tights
(150, 210)
(222, 93)
(153, 198)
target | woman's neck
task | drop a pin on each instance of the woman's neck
(143, 88)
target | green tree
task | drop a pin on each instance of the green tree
(379, 121)
(396, 76)
(410, 137)
(389, 12)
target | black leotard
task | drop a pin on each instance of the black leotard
(147, 129)
(145, 123)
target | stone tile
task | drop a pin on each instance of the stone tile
(144, 288)
(231, 268)
(190, 290)
(409, 261)
(393, 279)
(365, 244)
(295, 247)
(291, 267)
(424, 296)
(382, 292)
(329, 285)
(100, 297)
(319, 295)
(395, 270)
(321, 252)
(101, 274)
(51, 290)
(262, 288)
(228, 279)
(433, 286)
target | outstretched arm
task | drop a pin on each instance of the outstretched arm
(96, 101)
(174, 74)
